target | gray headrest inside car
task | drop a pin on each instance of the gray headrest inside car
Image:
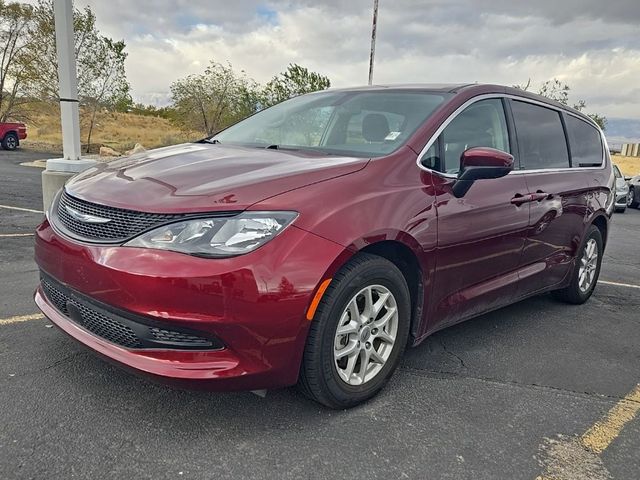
(375, 127)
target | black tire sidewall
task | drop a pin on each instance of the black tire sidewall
(376, 271)
(5, 143)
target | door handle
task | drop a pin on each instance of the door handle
(518, 199)
(540, 195)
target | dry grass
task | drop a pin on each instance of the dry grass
(630, 166)
(120, 131)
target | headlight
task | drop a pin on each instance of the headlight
(217, 237)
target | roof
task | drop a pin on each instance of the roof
(470, 89)
(431, 87)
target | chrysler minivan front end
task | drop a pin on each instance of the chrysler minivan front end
(216, 313)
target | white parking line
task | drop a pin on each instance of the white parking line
(8, 235)
(627, 285)
(8, 207)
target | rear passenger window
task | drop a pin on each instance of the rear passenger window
(540, 136)
(482, 124)
(585, 142)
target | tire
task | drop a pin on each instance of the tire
(574, 293)
(632, 199)
(10, 141)
(620, 209)
(325, 378)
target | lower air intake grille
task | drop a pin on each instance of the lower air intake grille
(119, 329)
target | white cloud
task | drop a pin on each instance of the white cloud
(592, 47)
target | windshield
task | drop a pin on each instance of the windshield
(363, 124)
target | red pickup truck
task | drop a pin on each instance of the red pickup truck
(11, 134)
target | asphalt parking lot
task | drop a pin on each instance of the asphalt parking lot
(535, 390)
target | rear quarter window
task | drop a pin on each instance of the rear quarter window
(585, 142)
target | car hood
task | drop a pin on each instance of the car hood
(205, 177)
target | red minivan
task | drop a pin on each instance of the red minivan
(313, 241)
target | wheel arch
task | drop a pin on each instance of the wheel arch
(601, 222)
(404, 257)
(15, 132)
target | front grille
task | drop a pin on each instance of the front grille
(122, 225)
(96, 323)
(119, 329)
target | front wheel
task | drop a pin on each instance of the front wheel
(358, 334)
(586, 269)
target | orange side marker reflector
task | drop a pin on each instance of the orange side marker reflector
(316, 299)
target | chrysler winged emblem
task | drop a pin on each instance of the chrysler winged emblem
(84, 217)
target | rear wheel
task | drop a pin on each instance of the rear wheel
(358, 334)
(586, 269)
(10, 141)
(632, 199)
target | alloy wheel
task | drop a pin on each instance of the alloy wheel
(588, 265)
(630, 197)
(366, 334)
(11, 143)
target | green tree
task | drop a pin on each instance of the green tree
(213, 100)
(296, 80)
(14, 59)
(153, 111)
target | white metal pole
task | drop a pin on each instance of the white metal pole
(59, 170)
(68, 81)
(373, 40)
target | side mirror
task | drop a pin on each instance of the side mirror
(479, 163)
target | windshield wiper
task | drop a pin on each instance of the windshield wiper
(275, 146)
(211, 141)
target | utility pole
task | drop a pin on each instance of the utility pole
(373, 40)
(59, 170)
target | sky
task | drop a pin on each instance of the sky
(591, 45)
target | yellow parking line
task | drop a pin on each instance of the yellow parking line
(567, 458)
(8, 207)
(21, 318)
(628, 285)
(6, 235)
(606, 430)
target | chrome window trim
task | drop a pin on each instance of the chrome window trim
(486, 96)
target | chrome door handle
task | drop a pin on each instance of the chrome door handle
(519, 199)
(540, 195)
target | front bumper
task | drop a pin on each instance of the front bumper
(253, 304)
(621, 198)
